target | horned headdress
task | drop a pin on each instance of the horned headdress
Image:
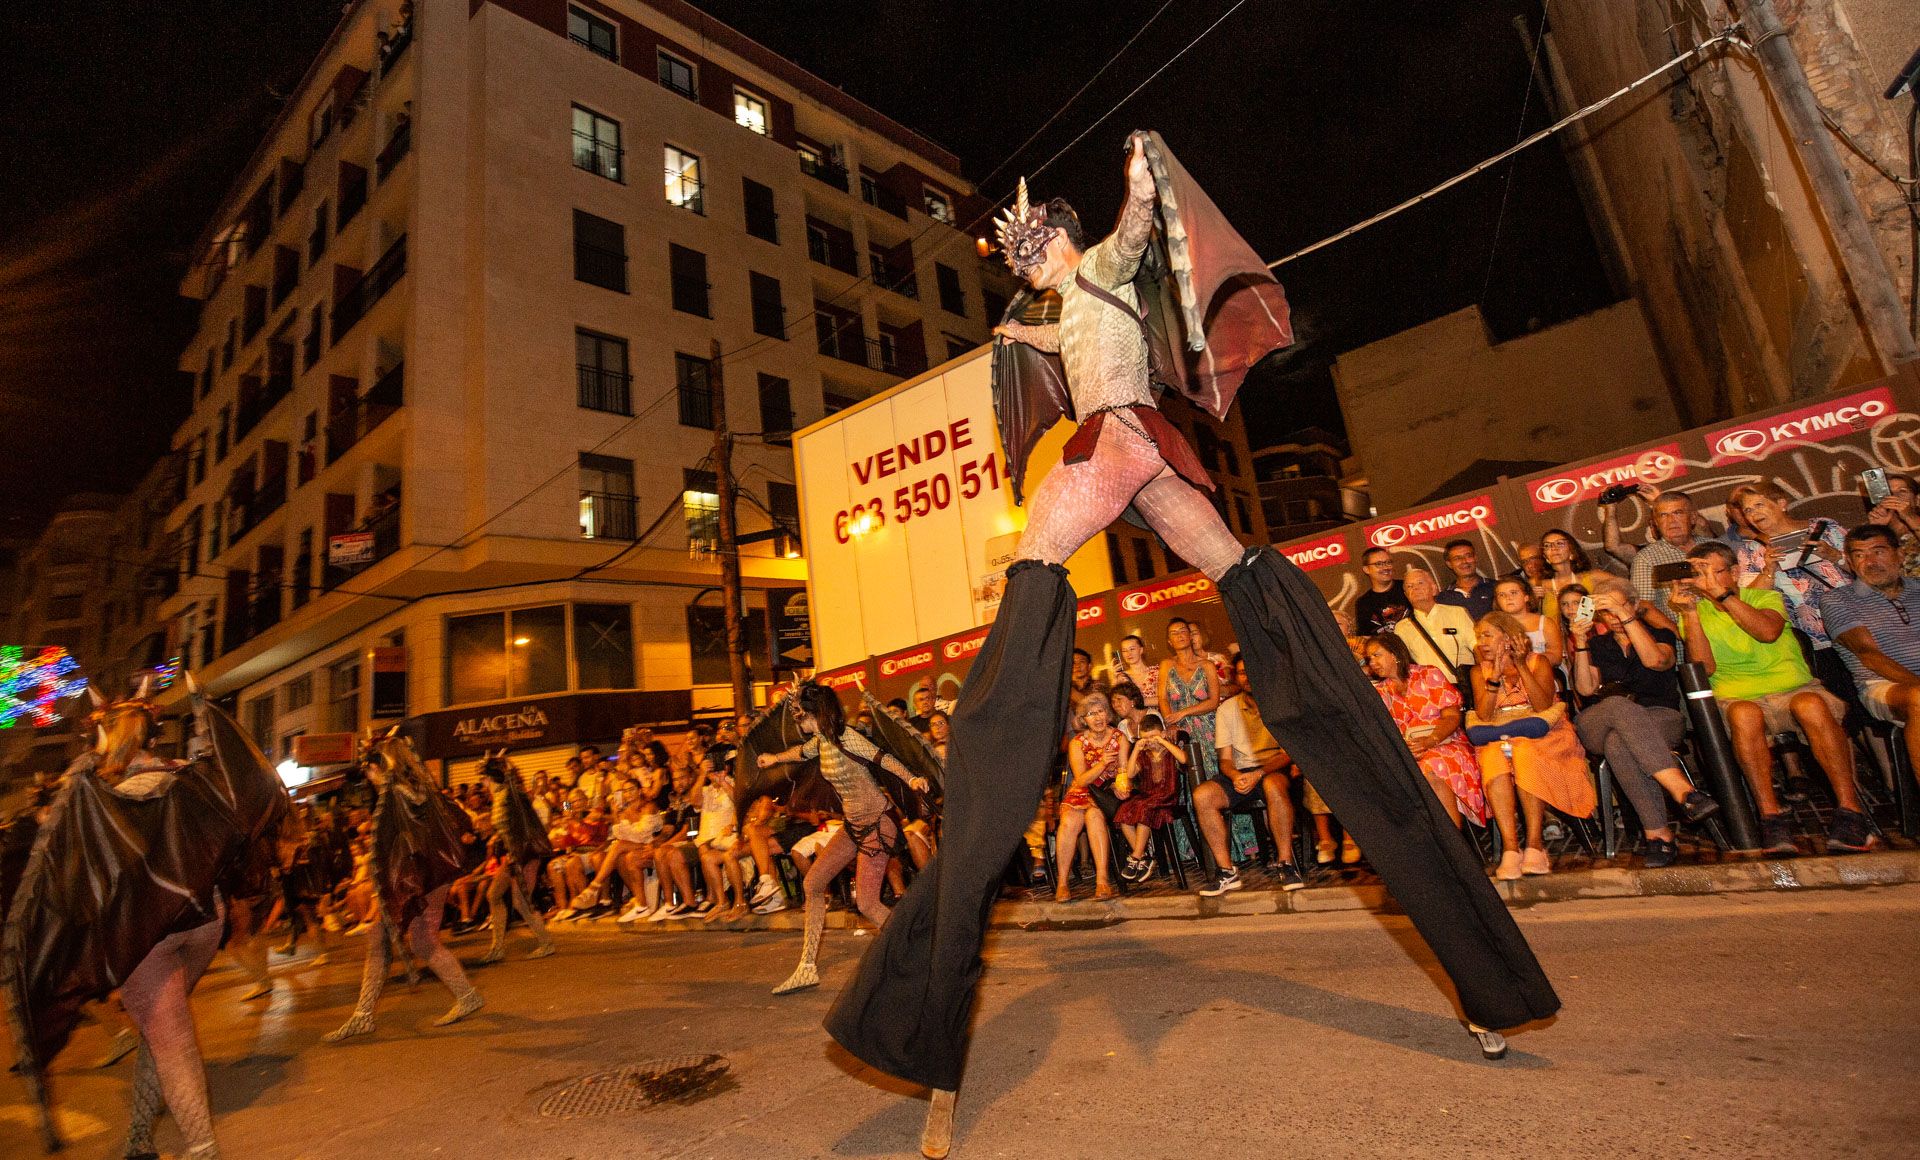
(1024, 233)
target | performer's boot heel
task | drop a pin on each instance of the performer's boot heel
(805, 975)
(936, 1138)
(1493, 1045)
(361, 1023)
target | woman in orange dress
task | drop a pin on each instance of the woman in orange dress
(1526, 744)
(1425, 707)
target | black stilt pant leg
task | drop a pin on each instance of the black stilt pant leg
(907, 1008)
(1325, 712)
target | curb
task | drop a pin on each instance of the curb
(1890, 868)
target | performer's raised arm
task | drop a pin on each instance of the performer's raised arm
(1117, 259)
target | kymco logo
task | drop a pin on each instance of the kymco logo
(1455, 519)
(907, 662)
(842, 678)
(1324, 552)
(1655, 466)
(1090, 612)
(1815, 424)
(1158, 595)
(963, 646)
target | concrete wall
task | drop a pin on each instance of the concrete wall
(1426, 403)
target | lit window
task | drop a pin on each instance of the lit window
(701, 501)
(939, 208)
(596, 143)
(684, 185)
(750, 111)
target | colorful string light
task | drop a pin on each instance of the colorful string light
(32, 684)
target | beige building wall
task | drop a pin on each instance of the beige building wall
(1426, 403)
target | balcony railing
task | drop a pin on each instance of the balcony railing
(823, 251)
(395, 47)
(894, 358)
(398, 142)
(353, 422)
(372, 287)
(386, 541)
(606, 516)
(821, 169)
(598, 157)
(845, 341)
(605, 390)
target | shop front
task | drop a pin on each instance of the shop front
(540, 733)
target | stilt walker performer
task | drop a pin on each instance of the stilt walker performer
(417, 856)
(124, 889)
(1172, 299)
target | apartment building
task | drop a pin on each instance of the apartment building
(454, 385)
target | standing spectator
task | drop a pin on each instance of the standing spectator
(939, 733)
(1514, 597)
(1222, 664)
(1250, 762)
(1676, 528)
(1148, 786)
(1567, 562)
(1624, 667)
(1898, 514)
(1095, 757)
(1437, 634)
(1136, 667)
(922, 709)
(1533, 569)
(1798, 559)
(1873, 621)
(1189, 693)
(1082, 680)
(1469, 589)
(1384, 601)
(1527, 748)
(1764, 687)
(1426, 708)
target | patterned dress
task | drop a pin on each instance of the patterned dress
(1427, 696)
(1090, 753)
(1185, 693)
(1154, 790)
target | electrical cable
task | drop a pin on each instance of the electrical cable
(1506, 188)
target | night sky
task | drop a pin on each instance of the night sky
(123, 125)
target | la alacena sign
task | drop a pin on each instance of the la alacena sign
(528, 724)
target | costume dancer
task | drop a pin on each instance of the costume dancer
(527, 850)
(1173, 299)
(124, 889)
(418, 853)
(816, 727)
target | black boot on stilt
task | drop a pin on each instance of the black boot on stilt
(1326, 714)
(907, 1008)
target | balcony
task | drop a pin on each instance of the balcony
(352, 423)
(254, 408)
(372, 286)
(829, 251)
(385, 529)
(607, 516)
(393, 46)
(605, 390)
(821, 169)
(398, 143)
(895, 358)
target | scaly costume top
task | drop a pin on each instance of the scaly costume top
(860, 797)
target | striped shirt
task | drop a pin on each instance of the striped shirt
(1860, 605)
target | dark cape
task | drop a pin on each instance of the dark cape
(1212, 310)
(109, 877)
(418, 847)
(525, 838)
(800, 783)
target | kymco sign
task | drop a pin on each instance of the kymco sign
(1324, 552)
(1581, 483)
(1816, 424)
(911, 661)
(1161, 593)
(1455, 519)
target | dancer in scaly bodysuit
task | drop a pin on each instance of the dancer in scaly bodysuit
(527, 849)
(417, 856)
(124, 888)
(1173, 299)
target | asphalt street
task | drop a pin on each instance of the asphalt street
(1751, 1025)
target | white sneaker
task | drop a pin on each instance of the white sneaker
(664, 913)
(773, 905)
(635, 911)
(765, 889)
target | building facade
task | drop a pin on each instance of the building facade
(455, 385)
(1308, 484)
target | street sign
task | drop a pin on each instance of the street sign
(311, 749)
(792, 628)
(348, 549)
(389, 681)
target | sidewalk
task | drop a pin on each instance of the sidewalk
(1885, 868)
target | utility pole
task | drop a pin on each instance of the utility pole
(1866, 267)
(729, 540)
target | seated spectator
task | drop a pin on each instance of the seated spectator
(1566, 603)
(922, 708)
(1525, 743)
(1436, 634)
(1129, 708)
(673, 852)
(1082, 681)
(1513, 597)
(1135, 667)
(1764, 687)
(939, 733)
(1533, 569)
(1781, 559)
(1899, 515)
(766, 831)
(1222, 664)
(468, 891)
(1567, 563)
(804, 849)
(1251, 762)
(717, 844)
(1094, 757)
(1467, 589)
(1148, 788)
(1873, 621)
(577, 840)
(1426, 708)
(636, 824)
(1623, 669)
(1675, 527)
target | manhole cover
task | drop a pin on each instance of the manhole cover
(635, 1087)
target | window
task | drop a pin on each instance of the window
(769, 314)
(206, 377)
(1116, 559)
(71, 606)
(830, 245)
(603, 646)
(496, 655)
(957, 346)
(776, 409)
(762, 221)
(677, 75)
(875, 192)
(939, 206)
(596, 35)
(596, 143)
(1142, 558)
(343, 696)
(783, 500)
(750, 111)
(700, 498)
(602, 368)
(892, 267)
(833, 404)
(321, 123)
(315, 340)
(606, 497)
(693, 378)
(953, 299)
(260, 722)
(1240, 510)
(222, 432)
(599, 251)
(684, 186)
(996, 305)
(232, 344)
(300, 692)
(197, 460)
(688, 271)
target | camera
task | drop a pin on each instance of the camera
(1618, 493)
